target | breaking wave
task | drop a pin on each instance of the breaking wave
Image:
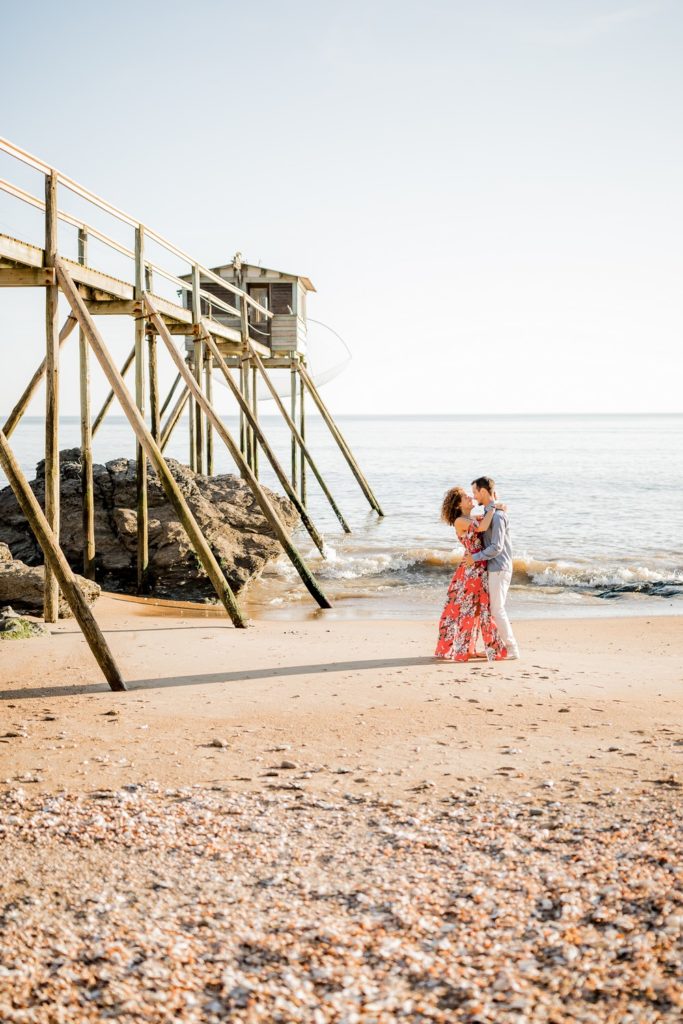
(427, 564)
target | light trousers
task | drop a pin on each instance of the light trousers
(499, 584)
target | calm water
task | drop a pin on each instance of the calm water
(596, 505)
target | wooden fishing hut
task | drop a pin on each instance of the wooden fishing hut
(225, 326)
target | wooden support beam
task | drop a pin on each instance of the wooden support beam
(87, 485)
(253, 425)
(171, 489)
(140, 459)
(154, 412)
(22, 405)
(27, 277)
(198, 366)
(254, 407)
(169, 396)
(173, 418)
(208, 390)
(256, 489)
(343, 447)
(112, 307)
(298, 439)
(246, 395)
(51, 607)
(59, 566)
(292, 406)
(302, 431)
(110, 397)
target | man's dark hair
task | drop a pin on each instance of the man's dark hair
(485, 481)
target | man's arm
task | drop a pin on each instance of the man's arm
(497, 541)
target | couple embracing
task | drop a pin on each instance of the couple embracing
(477, 593)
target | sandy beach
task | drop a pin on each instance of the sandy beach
(318, 822)
(359, 707)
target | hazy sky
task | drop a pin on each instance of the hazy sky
(487, 196)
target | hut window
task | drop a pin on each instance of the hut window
(281, 298)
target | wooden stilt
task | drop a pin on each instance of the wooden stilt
(254, 407)
(297, 439)
(51, 609)
(292, 405)
(87, 487)
(191, 429)
(173, 418)
(128, 362)
(169, 396)
(256, 489)
(155, 415)
(140, 460)
(253, 425)
(246, 394)
(343, 447)
(302, 431)
(59, 566)
(21, 406)
(208, 389)
(198, 366)
(243, 422)
(173, 493)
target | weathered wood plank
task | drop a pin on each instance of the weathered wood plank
(87, 488)
(26, 277)
(140, 460)
(59, 566)
(51, 608)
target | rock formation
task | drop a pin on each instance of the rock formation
(224, 507)
(22, 586)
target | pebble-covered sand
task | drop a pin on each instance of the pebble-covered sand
(146, 904)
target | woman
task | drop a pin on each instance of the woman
(467, 613)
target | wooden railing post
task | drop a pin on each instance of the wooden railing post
(154, 414)
(87, 487)
(140, 460)
(51, 608)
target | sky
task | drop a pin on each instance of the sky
(487, 196)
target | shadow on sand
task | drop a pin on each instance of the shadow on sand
(202, 678)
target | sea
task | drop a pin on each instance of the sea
(595, 504)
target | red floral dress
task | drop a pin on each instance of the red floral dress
(467, 611)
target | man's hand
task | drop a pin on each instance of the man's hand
(468, 560)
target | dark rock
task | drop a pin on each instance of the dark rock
(223, 506)
(22, 586)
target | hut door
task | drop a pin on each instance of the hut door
(260, 294)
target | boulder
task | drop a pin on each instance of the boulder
(224, 507)
(22, 586)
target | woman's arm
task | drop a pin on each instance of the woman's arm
(483, 524)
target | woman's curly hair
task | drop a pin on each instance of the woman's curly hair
(450, 508)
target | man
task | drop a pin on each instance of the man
(497, 553)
